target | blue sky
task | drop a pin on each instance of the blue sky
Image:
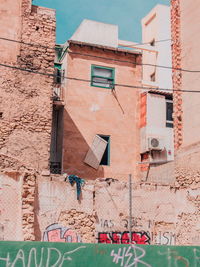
(125, 13)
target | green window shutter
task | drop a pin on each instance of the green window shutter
(58, 66)
(103, 77)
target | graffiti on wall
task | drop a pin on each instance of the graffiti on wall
(58, 233)
(141, 238)
(163, 237)
(106, 223)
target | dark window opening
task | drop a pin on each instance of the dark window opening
(59, 73)
(56, 141)
(169, 113)
(106, 156)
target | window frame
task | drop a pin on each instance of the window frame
(108, 151)
(102, 67)
(59, 73)
(169, 123)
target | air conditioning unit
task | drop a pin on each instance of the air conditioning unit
(155, 143)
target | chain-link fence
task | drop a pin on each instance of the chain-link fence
(108, 211)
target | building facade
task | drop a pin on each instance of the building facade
(100, 98)
(82, 114)
(185, 56)
(156, 120)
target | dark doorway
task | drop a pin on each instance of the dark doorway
(106, 156)
(56, 140)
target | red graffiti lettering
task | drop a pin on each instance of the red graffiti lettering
(104, 238)
(141, 238)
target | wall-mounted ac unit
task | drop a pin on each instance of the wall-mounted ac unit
(155, 143)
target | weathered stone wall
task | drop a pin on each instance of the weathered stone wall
(28, 201)
(161, 214)
(186, 105)
(46, 208)
(58, 204)
(26, 97)
(25, 113)
(177, 75)
(10, 206)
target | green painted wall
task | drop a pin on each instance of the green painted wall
(46, 254)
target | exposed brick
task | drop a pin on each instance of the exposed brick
(177, 78)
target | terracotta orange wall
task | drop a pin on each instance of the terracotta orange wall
(190, 57)
(10, 19)
(91, 110)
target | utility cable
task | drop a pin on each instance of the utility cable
(89, 81)
(137, 44)
(29, 44)
(43, 46)
(135, 63)
(124, 61)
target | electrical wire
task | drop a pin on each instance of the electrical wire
(38, 45)
(124, 61)
(135, 63)
(29, 44)
(159, 41)
(89, 81)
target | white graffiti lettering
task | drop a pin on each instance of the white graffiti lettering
(130, 256)
(20, 256)
(173, 259)
(53, 258)
(33, 252)
(7, 260)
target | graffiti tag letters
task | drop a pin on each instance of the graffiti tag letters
(58, 233)
(129, 256)
(141, 238)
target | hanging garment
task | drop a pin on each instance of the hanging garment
(79, 183)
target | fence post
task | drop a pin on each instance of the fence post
(130, 207)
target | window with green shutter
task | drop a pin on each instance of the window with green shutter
(103, 77)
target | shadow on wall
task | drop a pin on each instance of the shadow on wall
(75, 150)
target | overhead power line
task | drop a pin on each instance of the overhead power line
(159, 41)
(89, 81)
(135, 63)
(29, 44)
(38, 45)
(106, 58)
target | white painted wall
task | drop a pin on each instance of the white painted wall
(99, 33)
(156, 125)
(156, 25)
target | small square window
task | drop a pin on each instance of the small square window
(169, 113)
(102, 77)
